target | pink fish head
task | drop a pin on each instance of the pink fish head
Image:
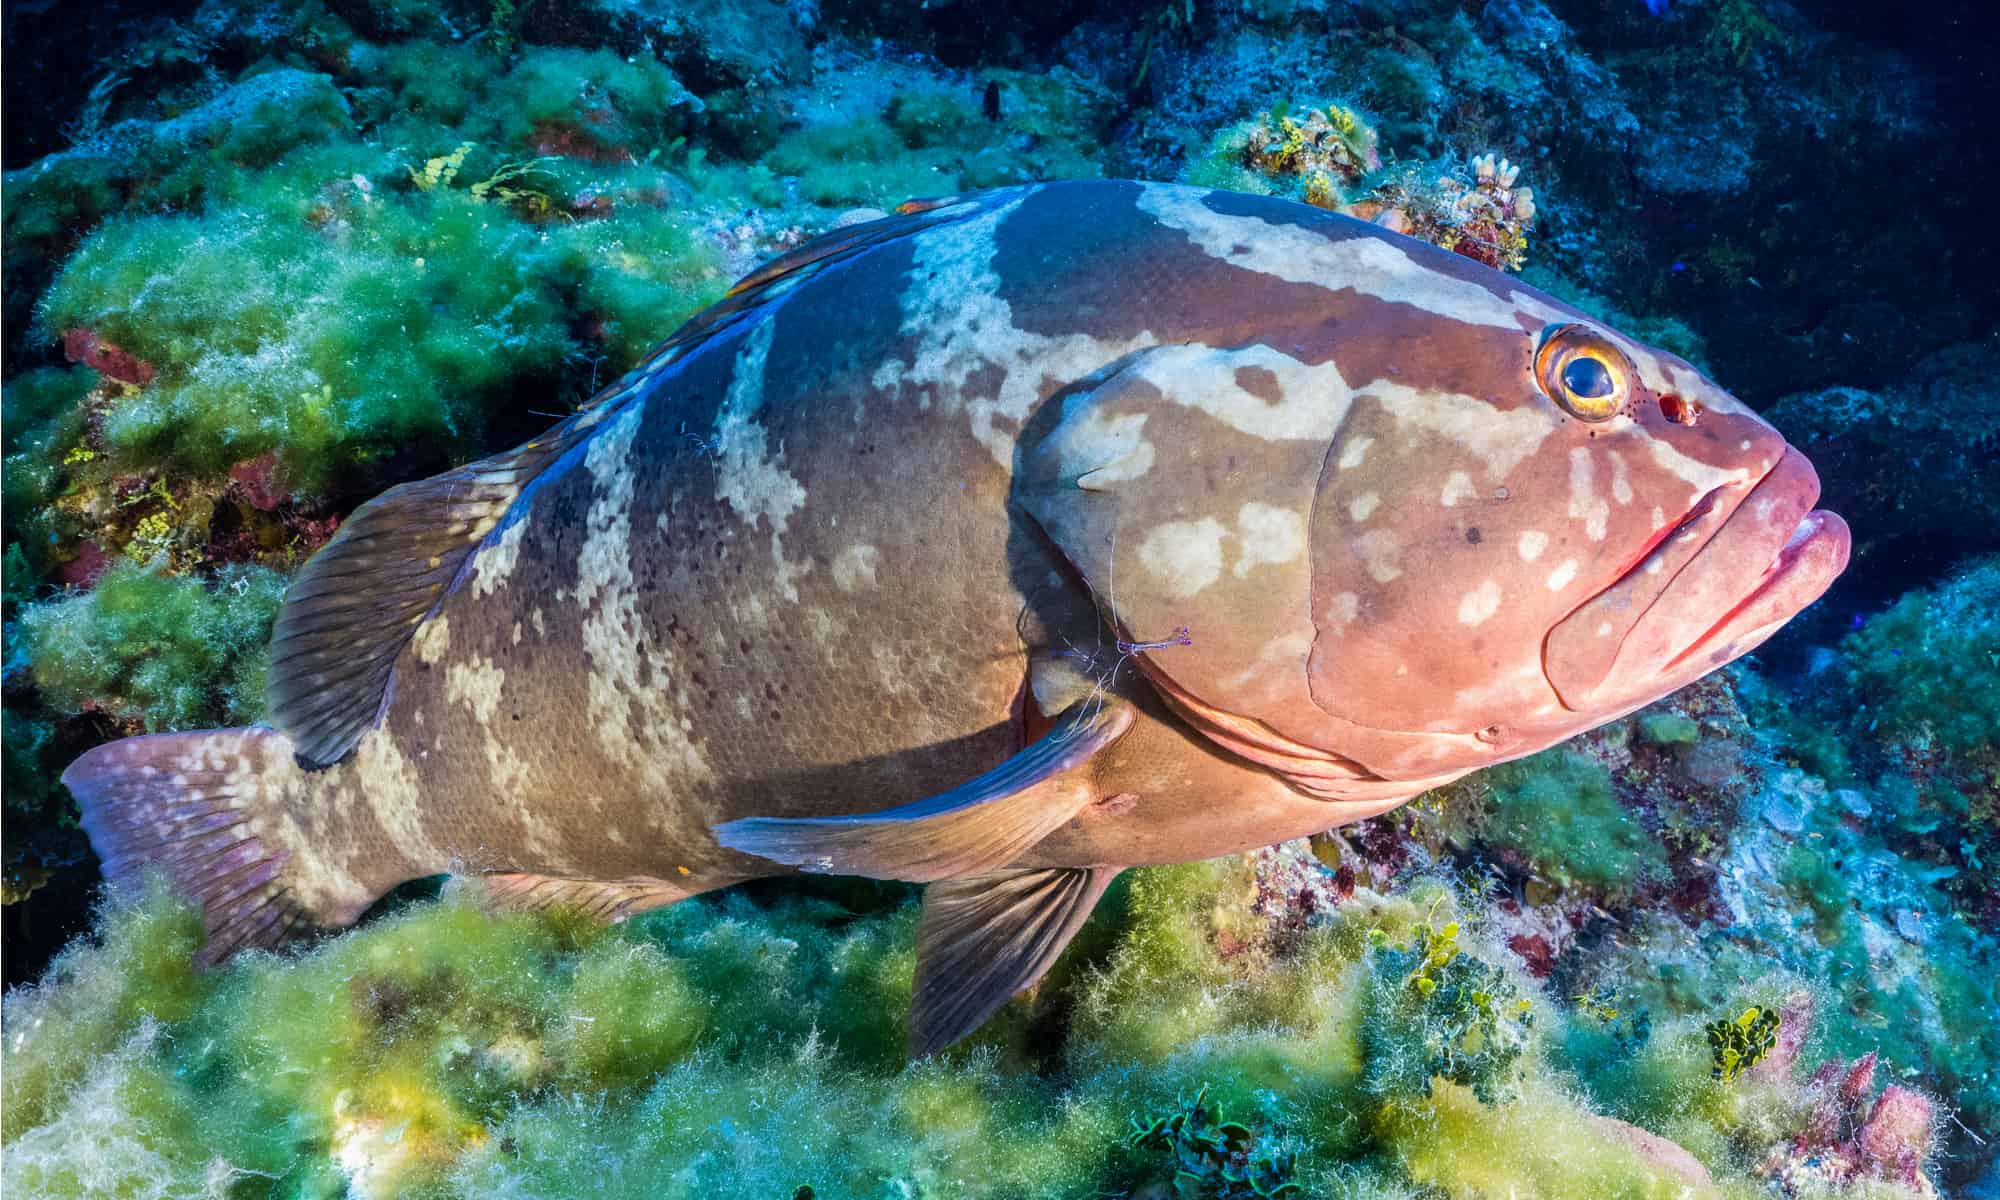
(1602, 527)
(1416, 516)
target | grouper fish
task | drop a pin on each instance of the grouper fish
(998, 545)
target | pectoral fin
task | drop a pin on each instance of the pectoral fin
(984, 939)
(979, 826)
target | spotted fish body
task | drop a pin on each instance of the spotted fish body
(1229, 520)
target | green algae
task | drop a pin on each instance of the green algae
(1928, 669)
(1560, 814)
(34, 757)
(1669, 729)
(696, 1044)
(1540, 1145)
(295, 293)
(168, 652)
(125, 1132)
(927, 141)
(1212, 1157)
(41, 409)
(1474, 1020)
(610, 100)
(183, 160)
(43, 420)
(736, 1048)
(411, 324)
(93, 999)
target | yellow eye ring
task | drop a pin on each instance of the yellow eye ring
(1582, 371)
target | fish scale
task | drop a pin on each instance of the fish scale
(999, 545)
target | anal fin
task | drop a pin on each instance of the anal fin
(985, 938)
(979, 826)
(605, 899)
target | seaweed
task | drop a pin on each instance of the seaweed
(1558, 812)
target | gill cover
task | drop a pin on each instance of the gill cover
(1443, 547)
(1179, 483)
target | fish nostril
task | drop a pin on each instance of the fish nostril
(1679, 409)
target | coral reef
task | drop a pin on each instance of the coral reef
(1318, 157)
(1847, 1137)
(1329, 157)
(1485, 218)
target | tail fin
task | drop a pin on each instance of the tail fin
(189, 804)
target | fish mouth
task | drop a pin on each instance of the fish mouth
(1712, 588)
(1808, 562)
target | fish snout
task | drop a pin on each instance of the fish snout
(1714, 588)
(1801, 549)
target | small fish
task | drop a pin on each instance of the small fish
(997, 545)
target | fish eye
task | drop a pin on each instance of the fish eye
(1582, 371)
(1587, 378)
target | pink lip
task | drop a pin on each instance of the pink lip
(1806, 564)
(1711, 590)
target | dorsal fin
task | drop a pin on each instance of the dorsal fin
(911, 216)
(801, 263)
(354, 605)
